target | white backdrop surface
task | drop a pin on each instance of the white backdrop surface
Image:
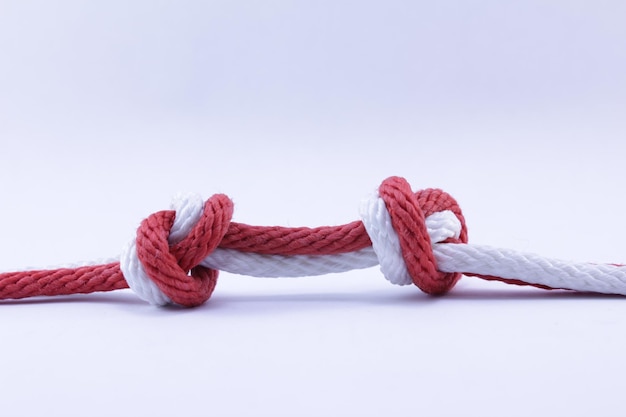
(297, 110)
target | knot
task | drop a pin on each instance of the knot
(403, 226)
(162, 265)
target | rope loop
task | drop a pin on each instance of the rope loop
(397, 221)
(169, 257)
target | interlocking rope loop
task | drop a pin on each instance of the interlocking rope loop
(408, 212)
(418, 238)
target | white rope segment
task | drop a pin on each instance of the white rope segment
(530, 268)
(276, 266)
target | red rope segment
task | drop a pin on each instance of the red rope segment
(175, 268)
(64, 281)
(408, 212)
(278, 240)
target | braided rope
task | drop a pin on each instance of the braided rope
(418, 238)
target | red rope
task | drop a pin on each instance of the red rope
(169, 266)
(63, 281)
(277, 240)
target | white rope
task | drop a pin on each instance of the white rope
(531, 268)
(275, 266)
(385, 242)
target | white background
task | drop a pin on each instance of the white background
(297, 110)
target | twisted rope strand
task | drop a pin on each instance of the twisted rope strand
(277, 240)
(64, 281)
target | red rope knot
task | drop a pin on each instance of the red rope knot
(404, 225)
(162, 265)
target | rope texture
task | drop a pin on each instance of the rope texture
(418, 238)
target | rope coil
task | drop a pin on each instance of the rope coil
(419, 238)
